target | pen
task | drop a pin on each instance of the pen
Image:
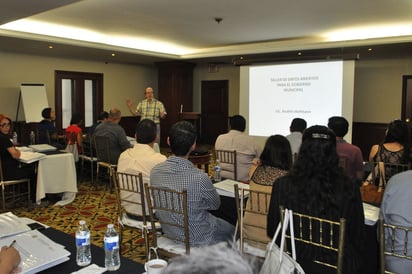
(12, 243)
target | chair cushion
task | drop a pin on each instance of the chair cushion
(170, 245)
(252, 250)
(125, 220)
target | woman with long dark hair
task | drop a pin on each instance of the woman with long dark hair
(396, 147)
(275, 162)
(317, 186)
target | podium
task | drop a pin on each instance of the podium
(194, 118)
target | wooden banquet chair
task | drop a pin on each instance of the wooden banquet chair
(11, 184)
(227, 157)
(398, 239)
(256, 205)
(200, 161)
(174, 203)
(87, 155)
(319, 232)
(102, 148)
(390, 169)
(128, 187)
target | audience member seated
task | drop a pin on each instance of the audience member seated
(351, 154)
(74, 133)
(103, 116)
(47, 129)
(117, 136)
(214, 259)
(247, 150)
(396, 209)
(395, 148)
(178, 173)
(275, 161)
(141, 158)
(296, 128)
(12, 168)
(9, 260)
(317, 186)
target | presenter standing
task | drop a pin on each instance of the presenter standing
(149, 108)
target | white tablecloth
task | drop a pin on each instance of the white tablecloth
(57, 174)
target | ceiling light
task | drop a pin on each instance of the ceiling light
(68, 32)
(113, 54)
(376, 31)
(50, 47)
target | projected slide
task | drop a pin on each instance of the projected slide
(279, 93)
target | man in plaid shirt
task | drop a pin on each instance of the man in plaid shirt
(178, 173)
(150, 108)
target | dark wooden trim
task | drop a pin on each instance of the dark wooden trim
(364, 135)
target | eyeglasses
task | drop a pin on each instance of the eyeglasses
(5, 125)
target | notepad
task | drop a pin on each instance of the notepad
(227, 187)
(30, 157)
(37, 252)
(10, 224)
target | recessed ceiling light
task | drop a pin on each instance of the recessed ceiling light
(50, 47)
(113, 54)
(299, 53)
(369, 49)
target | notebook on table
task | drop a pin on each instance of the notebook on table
(42, 147)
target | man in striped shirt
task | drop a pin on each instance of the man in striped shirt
(150, 108)
(178, 173)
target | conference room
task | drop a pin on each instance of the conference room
(212, 82)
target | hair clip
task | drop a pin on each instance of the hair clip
(320, 136)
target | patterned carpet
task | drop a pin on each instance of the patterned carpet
(98, 208)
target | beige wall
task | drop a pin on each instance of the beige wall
(378, 89)
(120, 81)
(377, 98)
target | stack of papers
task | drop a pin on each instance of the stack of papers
(30, 157)
(227, 187)
(37, 252)
(43, 147)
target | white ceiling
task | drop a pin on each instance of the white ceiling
(247, 27)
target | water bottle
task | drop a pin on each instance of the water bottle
(15, 139)
(83, 255)
(111, 249)
(217, 171)
(32, 138)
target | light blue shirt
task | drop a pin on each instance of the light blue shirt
(396, 209)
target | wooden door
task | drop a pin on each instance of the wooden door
(215, 102)
(407, 98)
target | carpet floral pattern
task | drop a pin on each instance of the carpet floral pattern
(98, 207)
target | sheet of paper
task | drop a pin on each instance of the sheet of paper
(226, 187)
(371, 214)
(43, 147)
